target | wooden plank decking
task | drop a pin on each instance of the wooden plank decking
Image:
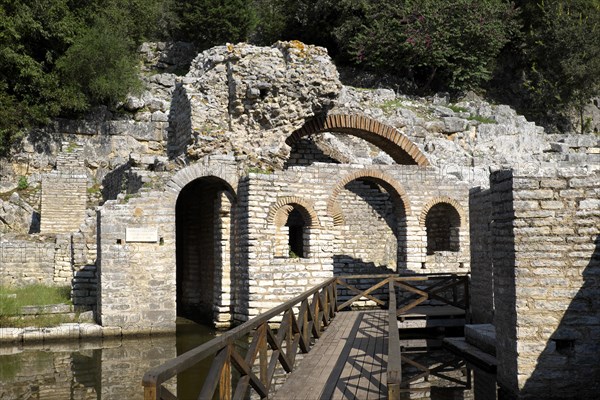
(348, 361)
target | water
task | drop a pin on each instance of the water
(98, 370)
(435, 373)
(113, 369)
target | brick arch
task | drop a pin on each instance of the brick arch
(204, 170)
(386, 137)
(446, 200)
(334, 209)
(279, 212)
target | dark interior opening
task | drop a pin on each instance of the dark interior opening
(443, 225)
(196, 244)
(296, 225)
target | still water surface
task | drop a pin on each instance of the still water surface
(97, 370)
(113, 370)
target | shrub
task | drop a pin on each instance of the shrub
(23, 183)
(439, 44)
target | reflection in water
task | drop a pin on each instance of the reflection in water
(97, 370)
(113, 369)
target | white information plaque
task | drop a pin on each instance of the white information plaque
(141, 235)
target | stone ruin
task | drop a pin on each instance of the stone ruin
(257, 175)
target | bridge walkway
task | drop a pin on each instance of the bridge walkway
(348, 361)
(346, 354)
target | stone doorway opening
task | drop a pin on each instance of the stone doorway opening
(205, 244)
(373, 232)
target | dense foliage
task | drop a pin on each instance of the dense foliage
(562, 56)
(61, 57)
(211, 22)
(451, 44)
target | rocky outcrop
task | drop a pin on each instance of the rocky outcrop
(243, 101)
(246, 100)
(17, 216)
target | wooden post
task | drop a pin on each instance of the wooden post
(225, 380)
(262, 354)
(394, 361)
(150, 393)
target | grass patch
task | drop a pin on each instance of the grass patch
(23, 183)
(390, 105)
(457, 109)
(13, 298)
(483, 120)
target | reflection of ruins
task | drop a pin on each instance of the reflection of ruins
(93, 371)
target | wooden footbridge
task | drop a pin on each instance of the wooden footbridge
(309, 348)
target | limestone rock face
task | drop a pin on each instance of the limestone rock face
(17, 216)
(245, 99)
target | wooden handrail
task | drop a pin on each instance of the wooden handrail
(294, 331)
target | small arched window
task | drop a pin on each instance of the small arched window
(296, 226)
(293, 223)
(443, 226)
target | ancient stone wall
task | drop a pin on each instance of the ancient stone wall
(64, 194)
(137, 259)
(25, 262)
(482, 274)
(341, 225)
(369, 241)
(138, 265)
(546, 238)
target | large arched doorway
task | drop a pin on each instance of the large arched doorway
(370, 210)
(205, 242)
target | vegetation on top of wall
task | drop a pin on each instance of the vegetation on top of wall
(61, 58)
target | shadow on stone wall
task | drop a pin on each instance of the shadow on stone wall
(240, 275)
(388, 215)
(180, 123)
(45, 141)
(503, 243)
(35, 222)
(482, 274)
(344, 264)
(305, 152)
(569, 365)
(115, 182)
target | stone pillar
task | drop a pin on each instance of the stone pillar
(546, 245)
(223, 260)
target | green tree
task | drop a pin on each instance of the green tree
(449, 44)
(99, 68)
(32, 36)
(208, 23)
(562, 56)
(63, 56)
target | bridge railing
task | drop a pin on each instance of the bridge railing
(445, 289)
(299, 321)
(277, 336)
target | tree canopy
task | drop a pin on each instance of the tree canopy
(61, 57)
(562, 56)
